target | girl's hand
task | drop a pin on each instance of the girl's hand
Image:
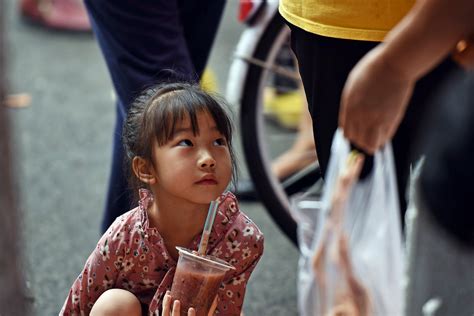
(167, 311)
(373, 102)
(177, 308)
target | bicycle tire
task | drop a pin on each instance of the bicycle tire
(268, 188)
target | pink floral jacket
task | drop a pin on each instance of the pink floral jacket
(132, 256)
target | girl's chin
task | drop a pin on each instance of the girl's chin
(199, 196)
(206, 198)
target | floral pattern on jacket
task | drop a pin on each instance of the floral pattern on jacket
(132, 256)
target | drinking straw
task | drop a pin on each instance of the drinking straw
(211, 214)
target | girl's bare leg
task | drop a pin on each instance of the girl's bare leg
(117, 302)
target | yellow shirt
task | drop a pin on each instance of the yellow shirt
(368, 20)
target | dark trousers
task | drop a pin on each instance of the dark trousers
(324, 65)
(446, 181)
(141, 41)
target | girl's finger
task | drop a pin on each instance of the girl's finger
(176, 308)
(191, 312)
(166, 304)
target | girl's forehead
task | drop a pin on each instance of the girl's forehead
(202, 117)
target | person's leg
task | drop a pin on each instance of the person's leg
(139, 42)
(117, 302)
(324, 64)
(119, 196)
(200, 21)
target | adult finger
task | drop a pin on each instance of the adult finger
(357, 136)
(351, 130)
(342, 114)
(369, 140)
(464, 53)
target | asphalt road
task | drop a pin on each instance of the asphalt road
(63, 149)
(63, 146)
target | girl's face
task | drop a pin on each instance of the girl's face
(195, 168)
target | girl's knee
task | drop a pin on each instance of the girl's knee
(116, 302)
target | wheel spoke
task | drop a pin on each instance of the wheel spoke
(271, 67)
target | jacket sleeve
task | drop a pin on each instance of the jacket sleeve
(98, 275)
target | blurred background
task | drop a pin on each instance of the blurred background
(62, 123)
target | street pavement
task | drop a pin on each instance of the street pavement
(63, 151)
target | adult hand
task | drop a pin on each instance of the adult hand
(167, 311)
(373, 102)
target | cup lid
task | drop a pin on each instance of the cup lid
(210, 259)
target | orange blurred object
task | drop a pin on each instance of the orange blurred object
(69, 15)
(249, 10)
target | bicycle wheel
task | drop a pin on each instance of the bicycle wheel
(261, 139)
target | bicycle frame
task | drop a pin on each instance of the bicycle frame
(243, 55)
(250, 58)
(255, 61)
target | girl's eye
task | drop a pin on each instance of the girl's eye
(220, 142)
(185, 142)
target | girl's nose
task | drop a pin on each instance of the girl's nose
(207, 161)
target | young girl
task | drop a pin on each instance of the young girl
(178, 144)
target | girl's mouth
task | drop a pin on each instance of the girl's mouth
(207, 182)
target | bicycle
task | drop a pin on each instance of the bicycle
(255, 64)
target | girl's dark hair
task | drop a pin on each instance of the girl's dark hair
(154, 114)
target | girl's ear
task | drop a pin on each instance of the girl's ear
(143, 170)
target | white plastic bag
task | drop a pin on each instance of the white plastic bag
(305, 209)
(357, 264)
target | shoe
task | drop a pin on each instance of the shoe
(69, 15)
(285, 108)
(208, 81)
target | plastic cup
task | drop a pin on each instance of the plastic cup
(197, 280)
